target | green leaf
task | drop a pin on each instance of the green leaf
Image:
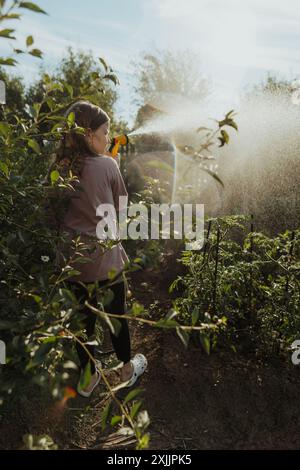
(29, 41)
(49, 339)
(54, 86)
(34, 145)
(69, 89)
(11, 16)
(40, 355)
(183, 335)
(36, 53)
(112, 77)
(137, 309)
(19, 51)
(228, 122)
(71, 119)
(115, 420)
(171, 314)
(37, 298)
(205, 341)
(232, 123)
(6, 33)
(214, 175)
(32, 6)
(200, 129)
(95, 75)
(135, 408)
(113, 324)
(68, 274)
(4, 128)
(9, 61)
(4, 168)
(143, 442)
(107, 298)
(68, 294)
(105, 415)
(86, 376)
(36, 108)
(52, 103)
(229, 113)
(224, 139)
(46, 78)
(112, 274)
(165, 323)
(54, 176)
(131, 395)
(195, 316)
(104, 64)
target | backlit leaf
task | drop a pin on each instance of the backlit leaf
(32, 6)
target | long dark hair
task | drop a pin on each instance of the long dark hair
(70, 156)
(73, 147)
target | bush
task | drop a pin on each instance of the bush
(247, 281)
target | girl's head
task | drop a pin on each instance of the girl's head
(96, 123)
(74, 146)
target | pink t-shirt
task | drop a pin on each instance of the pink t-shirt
(100, 183)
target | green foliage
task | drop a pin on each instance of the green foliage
(8, 32)
(36, 303)
(199, 157)
(131, 414)
(244, 281)
(40, 314)
(78, 75)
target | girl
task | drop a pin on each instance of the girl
(100, 182)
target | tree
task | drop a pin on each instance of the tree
(15, 92)
(165, 74)
(78, 74)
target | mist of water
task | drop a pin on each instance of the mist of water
(180, 114)
(259, 168)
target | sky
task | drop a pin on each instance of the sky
(237, 42)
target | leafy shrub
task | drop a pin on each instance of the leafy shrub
(248, 281)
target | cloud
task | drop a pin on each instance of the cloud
(193, 9)
(252, 33)
(54, 44)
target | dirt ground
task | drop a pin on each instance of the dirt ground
(195, 401)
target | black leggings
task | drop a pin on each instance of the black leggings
(121, 343)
